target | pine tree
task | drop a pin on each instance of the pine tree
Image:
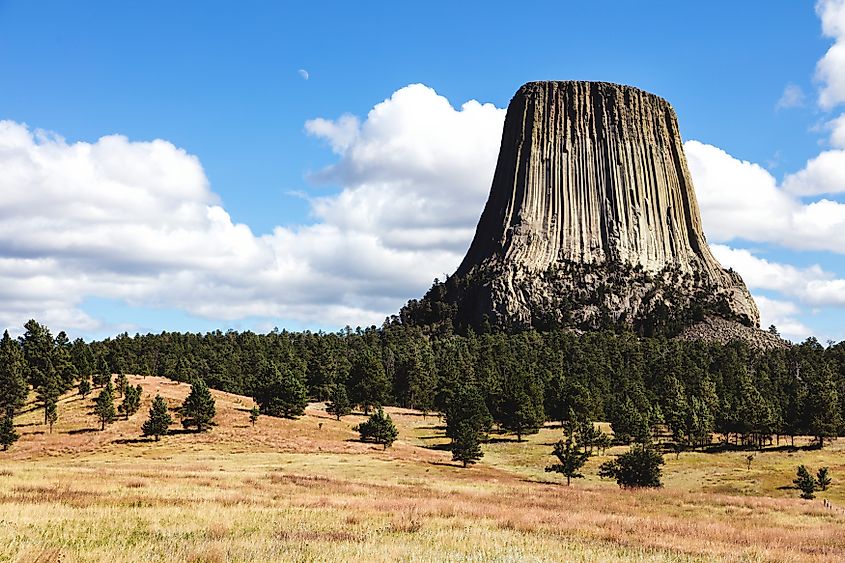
(466, 443)
(120, 384)
(104, 406)
(467, 407)
(638, 467)
(521, 413)
(254, 413)
(368, 381)
(379, 428)
(37, 347)
(47, 395)
(103, 373)
(51, 412)
(131, 401)
(13, 385)
(823, 416)
(159, 422)
(281, 393)
(66, 372)
(806, 483)
(8, 434)
(338, 405)
(571, 460)
(84, 386)
(631, 422)
(823, 478)
(198, 408)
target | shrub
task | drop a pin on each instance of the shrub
(379, 428)
(638, 467)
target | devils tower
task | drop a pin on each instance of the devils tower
(592, 222)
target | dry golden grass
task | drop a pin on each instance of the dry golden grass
(306, 490)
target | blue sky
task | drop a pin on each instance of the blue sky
(312, 208)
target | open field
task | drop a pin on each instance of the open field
(306, 490)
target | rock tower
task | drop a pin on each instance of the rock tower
(591, 222)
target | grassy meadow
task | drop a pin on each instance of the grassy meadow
(307, 490)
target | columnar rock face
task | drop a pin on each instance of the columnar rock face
(592, 220)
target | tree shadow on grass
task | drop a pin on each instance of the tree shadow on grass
(445, 464)
(722, 448)
(133, 440)
(503, 441)
(82, 431)
(439, 447)
(179, 431)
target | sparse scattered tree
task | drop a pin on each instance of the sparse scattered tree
(120, 384)
(158, 424)
(47, 395)
(198, 409)
(638, 467)
(84, 386)
(379, 428)
(570, 458)
(103, 373)
(131, 401)
(13, 385)
(806, 483)
(8, 434)
(254, 413)
(104, 406)
(51, 411)
(466, 443)
(338, 405)
(823, 478)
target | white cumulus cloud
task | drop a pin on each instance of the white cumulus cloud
(742, 200)
(138, 222)
(829, 70)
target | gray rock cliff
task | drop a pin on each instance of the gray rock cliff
(591, 221)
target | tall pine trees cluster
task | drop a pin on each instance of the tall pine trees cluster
(519, 380)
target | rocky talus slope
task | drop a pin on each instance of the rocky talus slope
(591, 222)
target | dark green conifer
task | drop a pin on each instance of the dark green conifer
(120, 384)
(571, 460)
(158, 424)
(84, 386)
(281, 393)
(13, 385)
(338, 405)
(198, 409)
(8, 434)
(823, 478)
(368, 381)
(806, 483)
(104, 406)
(379, 428)
(131, 401)
(638, 467)
(466, 443)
